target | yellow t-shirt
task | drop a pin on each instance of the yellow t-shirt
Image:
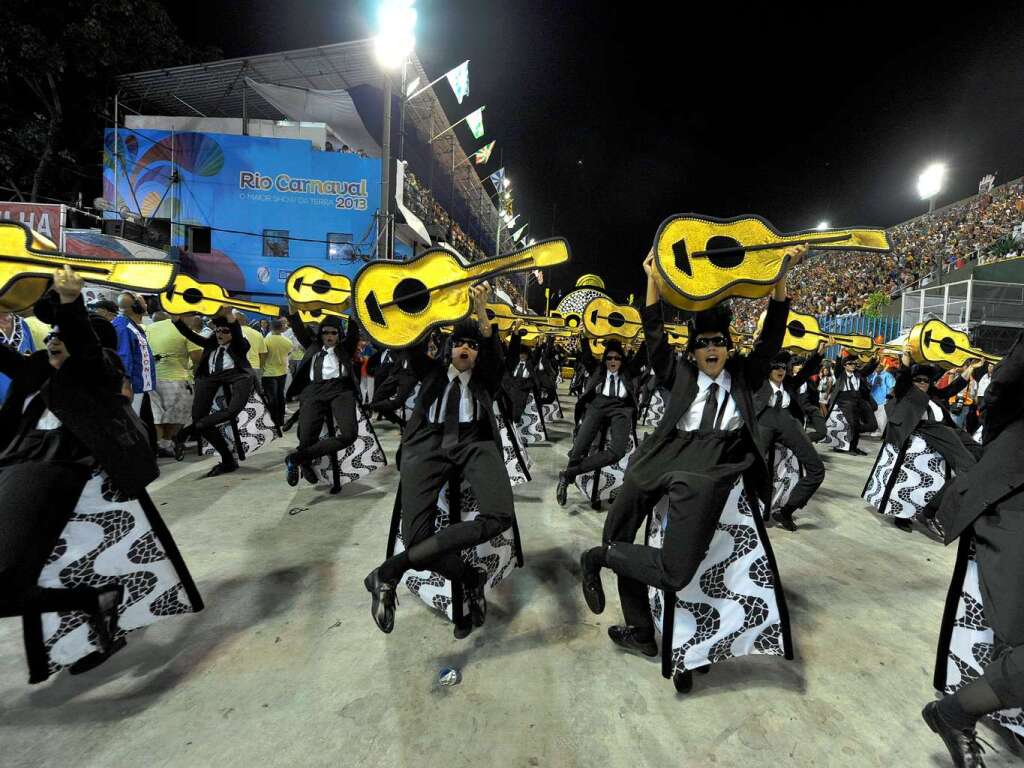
(173, 348)
(39, 331)
(257, 345)
(278, 349)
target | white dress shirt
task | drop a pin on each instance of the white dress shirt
(728, 420)
(850, 383)
(983, 384)
(467, 405)
(778, 389)
(47, 419)
(803, 388)
(332, 364)
(613, 386)
(936, 411)
(521, 372)
(211, 362)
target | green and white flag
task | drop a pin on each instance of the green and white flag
(482, 155)
(458, 79)
(519, 232)
(475, 121)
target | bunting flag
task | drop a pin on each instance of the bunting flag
(512, 222)
(519, 232)
(475, 121)
(497, 177)
(458, 79)
(482, 155)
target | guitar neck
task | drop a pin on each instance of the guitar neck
(482, 272)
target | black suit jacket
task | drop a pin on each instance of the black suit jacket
(791, 383)
(432, 374)
(238, 348)
(85, 394)
(347, 349)
(1000, 472)
(908, 405)
(865, 389)
(748, 372)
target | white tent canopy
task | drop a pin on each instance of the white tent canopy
(335, 108)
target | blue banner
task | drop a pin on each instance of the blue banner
(271, 205)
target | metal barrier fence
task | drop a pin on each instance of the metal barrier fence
(886, 327)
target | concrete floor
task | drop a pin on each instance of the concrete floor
(285, 667)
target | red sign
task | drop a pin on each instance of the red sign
(46, 219)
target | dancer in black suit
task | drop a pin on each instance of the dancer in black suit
(324, 381)
(452, 428)
(707, 440)
(852, 396)
(224, 361)
(780, 416)
(609, 400)
(987, 502)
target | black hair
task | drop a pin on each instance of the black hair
(104, 331)
(923, 369)
(613, 346)
(466, 329)
(715, 319)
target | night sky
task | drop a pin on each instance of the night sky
(610, 121)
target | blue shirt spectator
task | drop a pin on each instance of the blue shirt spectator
(14, 333)
(882, 383)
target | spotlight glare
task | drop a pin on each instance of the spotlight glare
(929, 183)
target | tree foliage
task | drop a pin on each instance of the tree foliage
(58, 61)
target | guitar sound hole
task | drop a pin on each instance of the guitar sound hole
(729, 260)
(192, 295)
(616, 320)
(321, 286)
(408, 296)
(490, 313)
(796, 328)
(948, 346)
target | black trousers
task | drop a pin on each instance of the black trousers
(859, 415)
(240, 385)
(314, 403)
(695, 503)
(815, 420)
(273, 390)
(603, 412)
(425, 469)
(782, 428)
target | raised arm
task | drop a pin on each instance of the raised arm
(302, 334)
(1003, 401)
(769, 342)
(954, 387)
(659, 352)
(195, 338)
(810, 367)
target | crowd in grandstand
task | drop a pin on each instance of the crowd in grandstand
(837, 283)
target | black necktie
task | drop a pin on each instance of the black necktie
(707, 417)
(451, 416)
(614, 391)
(519, 370)
(218, 360)
(778, 401)
(318, 366)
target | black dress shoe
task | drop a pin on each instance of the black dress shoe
(904, 524)
(626, 637)
(222, 469)
(310, 474)
(963, 746)
(382, 607)
(858, 452)
(593, 591)
(561, 490)
(785, 519)
(291, 471)
(463, 628)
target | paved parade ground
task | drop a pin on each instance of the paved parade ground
(286, 668)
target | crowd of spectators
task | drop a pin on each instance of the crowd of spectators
(345, 149)
(841, 282)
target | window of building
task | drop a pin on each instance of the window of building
(275, 243)
(339, 246)
(199, 240)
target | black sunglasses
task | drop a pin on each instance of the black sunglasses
(471, 343)
(779, 367)
(222, 330)
(922, 380)
(327, 332)
(712, 341)
(613, 357)
(51, 337)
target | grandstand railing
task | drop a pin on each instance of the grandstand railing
(965, 304)
(886, 327)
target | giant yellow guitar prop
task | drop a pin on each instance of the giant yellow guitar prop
(702, 260)
(27, 262)
(398, 303)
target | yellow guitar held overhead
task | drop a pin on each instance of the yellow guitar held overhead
(316, 315)
(398, 303)
(187, 294)
(702, 260)
(604, 319)
(935, 343)
(28, 260)
(504, 317)
(803, 333)
(311, 288)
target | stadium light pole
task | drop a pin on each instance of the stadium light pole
(395, 40)
(930, 182)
